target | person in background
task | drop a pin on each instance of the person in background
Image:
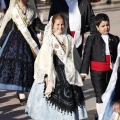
(7, 2)
(100, 53)
(108, 2)
(3, 6)
(56, 93)
(19, 46)
(3, 9)
(79, 16)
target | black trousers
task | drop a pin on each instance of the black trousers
(100, 82)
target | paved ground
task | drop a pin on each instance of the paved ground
(10, 108)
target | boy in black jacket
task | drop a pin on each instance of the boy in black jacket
(100, 53)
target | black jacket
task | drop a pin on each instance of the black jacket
(87, 20)
(95, 50)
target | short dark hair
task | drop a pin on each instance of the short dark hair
(101, 17)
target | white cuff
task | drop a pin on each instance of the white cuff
(84, 74)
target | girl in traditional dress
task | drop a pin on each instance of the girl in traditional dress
(56, 93)
(18, 45)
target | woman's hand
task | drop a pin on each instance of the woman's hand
(40, 40)
(116, 107)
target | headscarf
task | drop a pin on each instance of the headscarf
(48, 28)
(7, 16)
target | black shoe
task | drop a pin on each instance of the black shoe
(22, 101)
(108, 2)
(96, 116)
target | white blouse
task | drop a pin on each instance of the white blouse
(105, 38)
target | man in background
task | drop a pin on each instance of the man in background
(79, 17)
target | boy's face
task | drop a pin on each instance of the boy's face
(104, 27)
(58, 26)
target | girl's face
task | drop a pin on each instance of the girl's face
(104, 27)
(58, 26)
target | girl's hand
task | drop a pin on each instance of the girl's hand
(116, 107)
(47, 81)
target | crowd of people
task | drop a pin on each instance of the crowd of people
(53, 66)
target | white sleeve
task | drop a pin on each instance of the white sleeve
(118, 50)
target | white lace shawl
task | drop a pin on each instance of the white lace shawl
(8, 16)
(44, 64)
(30, 14)
(44, 61)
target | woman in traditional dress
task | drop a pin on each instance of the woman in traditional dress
(56, 93)
(18, 45)
(110, 108)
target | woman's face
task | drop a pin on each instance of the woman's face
(58, 26)
(24, 1)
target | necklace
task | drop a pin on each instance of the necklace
(60, 42)
(58, 37)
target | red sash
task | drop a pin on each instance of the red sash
(72, 33)
(101, 66)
